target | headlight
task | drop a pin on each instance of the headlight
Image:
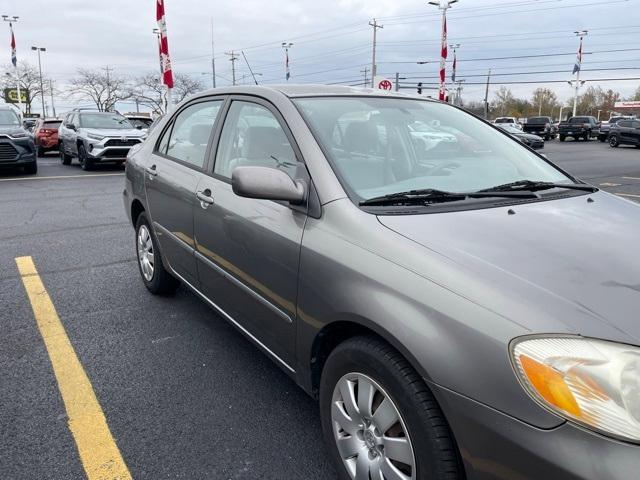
(592, 382)
(18, 135)
(95, 137)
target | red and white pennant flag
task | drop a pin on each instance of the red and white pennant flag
(444, 52)
(165, 61)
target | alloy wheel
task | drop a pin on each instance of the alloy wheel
(369, 431)
(146, 256)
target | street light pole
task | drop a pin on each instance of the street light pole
(14, 19)
(443, 5)
(41, 49)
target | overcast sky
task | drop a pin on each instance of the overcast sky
(332, 39)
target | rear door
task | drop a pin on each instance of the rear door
(625, 130)
(635, 134)
(248, 250)
(172, 175)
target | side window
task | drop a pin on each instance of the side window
(191, 130)
(624, 124)
(252, 136)
(164, 141)
(636, 124)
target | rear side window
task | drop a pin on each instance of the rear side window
(188, 138)
(625, 123)
(636, 124)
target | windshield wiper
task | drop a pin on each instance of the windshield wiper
(533, 186)
(430, 195)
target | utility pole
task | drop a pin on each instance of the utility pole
(40, 49)
(53, 106)
(374, 69)
(14, 59)
(560, 114)
(108, 100)
(443, 5)
(233, 58)
(576, 83)
(213, 59)
(397, 85)
(365, 72)
(459, 93)
(486, 97)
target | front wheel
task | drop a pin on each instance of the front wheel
(85, 161)
(562, 137)
(379, 418)
(154, 275)
(613, 141)
(64, 158)
(31, 169)
(587, 136)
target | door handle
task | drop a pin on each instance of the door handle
(205, 198)
(151, 171)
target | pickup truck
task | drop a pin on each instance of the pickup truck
(579, 127)
(541, 126)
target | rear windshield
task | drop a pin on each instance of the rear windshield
(52, 124)
(104, 120)
(538, 120)
(504, 120)
(579, 120)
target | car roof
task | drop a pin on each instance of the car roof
(309, 90)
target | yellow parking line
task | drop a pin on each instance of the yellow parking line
(62, 177)
(628, 195)
(98, 451)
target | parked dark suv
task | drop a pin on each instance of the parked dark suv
(625, 132)
(461, 309)
(16, 144)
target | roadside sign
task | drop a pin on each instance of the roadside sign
(382, 83)
(629, 104)
(11, 95)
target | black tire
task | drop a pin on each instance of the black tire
(562, 137)
(547, 137)
(613, 141)
(41, 151)
(435, 451)
(587, 136)
(162, 282)
(602, 138)
(83, 158)
(64, 158)
(31, 169)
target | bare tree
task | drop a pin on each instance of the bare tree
(150, 92)
(29, 78)
(102, 87)
(543, 102)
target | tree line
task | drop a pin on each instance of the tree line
(100, 87)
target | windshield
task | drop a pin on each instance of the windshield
(102, 120)
(9, 117)
(504, 120)
(375, 149)
(51, 124)
(579, 120)
(510, 129)
(538, 120)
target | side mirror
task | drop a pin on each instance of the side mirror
(71, 126)
(267, 184)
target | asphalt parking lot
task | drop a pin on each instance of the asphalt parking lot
(184, 394)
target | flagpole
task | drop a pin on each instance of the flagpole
(167, 73)
(443, 5)
(580, 34)
(14, 58)
(287, 70)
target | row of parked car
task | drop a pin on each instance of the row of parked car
(90, 136)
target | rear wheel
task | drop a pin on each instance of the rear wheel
(155, 277)
(379, 418)
(562, 137)
(64, 158)
(41, 151)
(83, 158)
(613, 141)
(587, 136)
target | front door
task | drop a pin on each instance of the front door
(172, 175)
(248, 250)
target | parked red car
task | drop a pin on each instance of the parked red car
(45, 135)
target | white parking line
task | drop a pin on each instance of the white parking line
(631, 178)
(62, 177)
(628, 195)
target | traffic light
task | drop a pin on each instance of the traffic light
(420, 88)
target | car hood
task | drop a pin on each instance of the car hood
(559, 266)
(11, 130)
(527, 136)
(115, 132)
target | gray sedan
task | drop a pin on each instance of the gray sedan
(466, 310)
